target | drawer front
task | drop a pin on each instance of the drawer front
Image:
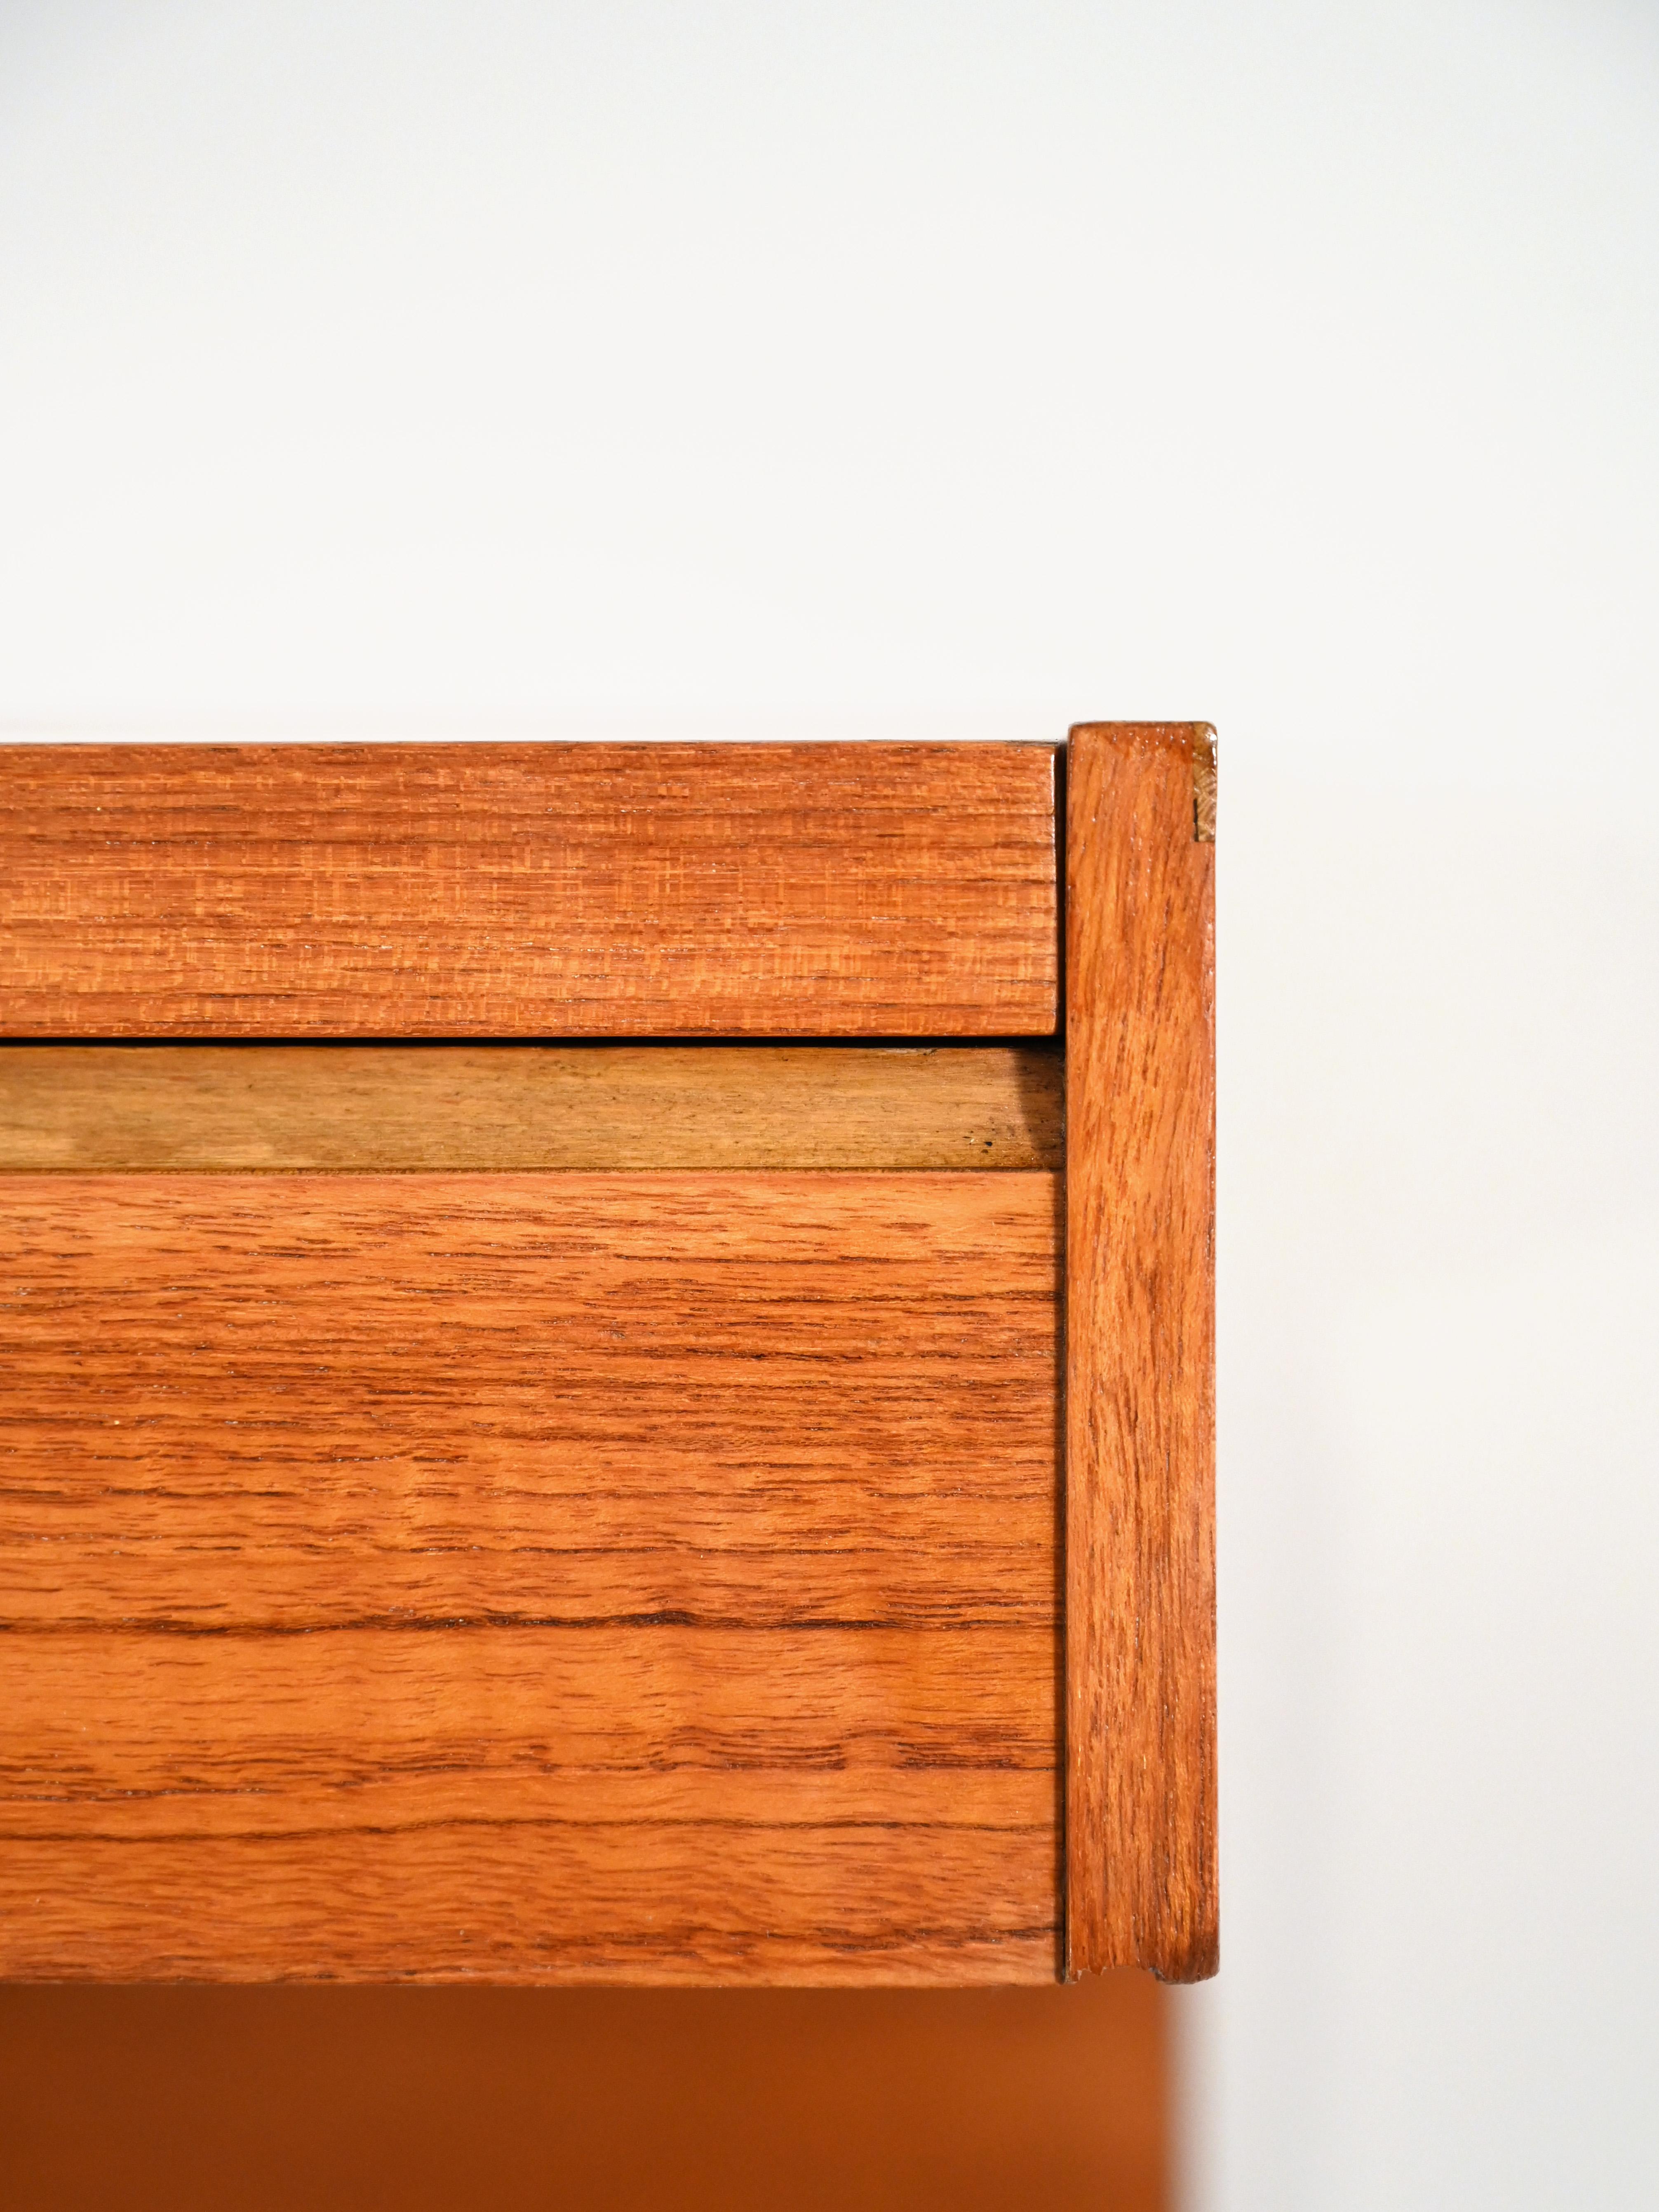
(544, 1576)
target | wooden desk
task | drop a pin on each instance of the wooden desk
(698, 1470)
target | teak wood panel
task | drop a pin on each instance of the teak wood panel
(1140, 1349)
(521, 890)
(344, 1108)
(530, 1576)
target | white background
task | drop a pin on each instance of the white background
(960, 370)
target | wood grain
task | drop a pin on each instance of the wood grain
(532, 1578)
(1141, 1351)
(68, 1108)
(522, 890)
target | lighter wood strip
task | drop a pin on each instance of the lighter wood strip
(527, 890)
(1141, 1351)
(334, 1108)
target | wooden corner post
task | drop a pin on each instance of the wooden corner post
(1140, 1763)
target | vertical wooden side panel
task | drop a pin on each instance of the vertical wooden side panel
(1140, 1350)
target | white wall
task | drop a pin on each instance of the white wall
(966, 369)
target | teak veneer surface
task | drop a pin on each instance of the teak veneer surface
(391, 1108)
(418, 1563)
(1140, 1349)
(527, 890)
(542, 1577)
